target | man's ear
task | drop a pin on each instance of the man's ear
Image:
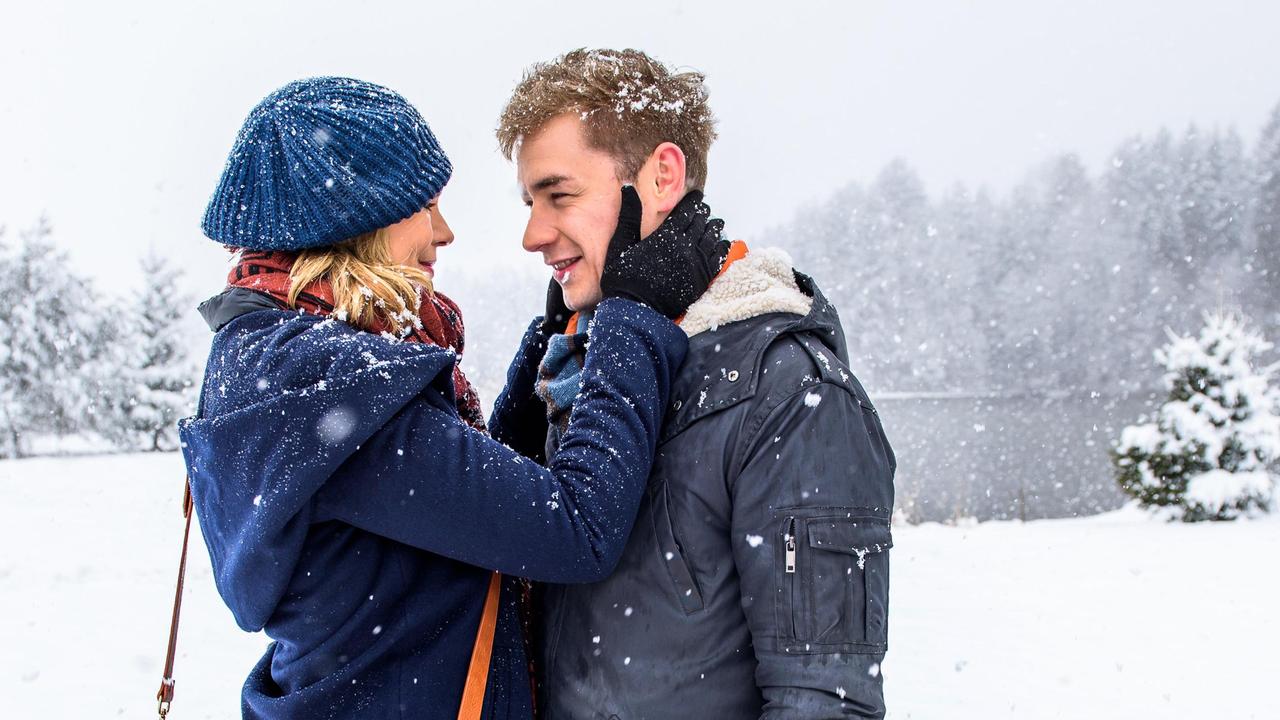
(663, 177)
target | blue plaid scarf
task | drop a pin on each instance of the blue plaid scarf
(560, 375)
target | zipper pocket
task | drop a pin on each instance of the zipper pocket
(790, 578)
(790, 539)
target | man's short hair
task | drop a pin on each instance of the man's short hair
(629, 104)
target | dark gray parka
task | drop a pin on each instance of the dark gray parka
(755, 581)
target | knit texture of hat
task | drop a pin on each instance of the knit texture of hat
(322, 160)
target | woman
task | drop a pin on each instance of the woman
(351, 502)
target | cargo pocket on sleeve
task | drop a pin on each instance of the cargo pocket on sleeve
(840, 585)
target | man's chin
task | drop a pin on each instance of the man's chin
(579, 301)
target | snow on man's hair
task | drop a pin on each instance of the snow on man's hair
(629, 104)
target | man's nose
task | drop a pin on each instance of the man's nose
(537, 234)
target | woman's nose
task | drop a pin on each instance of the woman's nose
(441, 233)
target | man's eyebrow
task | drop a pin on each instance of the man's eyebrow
(549, 181)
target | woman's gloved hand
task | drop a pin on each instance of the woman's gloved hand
(672, 267)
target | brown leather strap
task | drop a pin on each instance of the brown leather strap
(165, 695)
(481, 654)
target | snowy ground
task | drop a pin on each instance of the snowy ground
(1113, 616)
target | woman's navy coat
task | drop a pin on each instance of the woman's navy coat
(351, 514)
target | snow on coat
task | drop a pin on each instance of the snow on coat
(350, 512)
(756, 580)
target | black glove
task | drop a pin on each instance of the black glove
(671, 268)
(557, 315)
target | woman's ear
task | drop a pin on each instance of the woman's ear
(661, 184)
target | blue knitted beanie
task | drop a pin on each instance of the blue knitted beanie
(322, 160)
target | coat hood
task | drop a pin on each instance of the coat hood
(723, 367)
(233, 302)
(760, 283)
(297, 394)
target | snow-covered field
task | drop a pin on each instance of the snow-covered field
(1113, 616)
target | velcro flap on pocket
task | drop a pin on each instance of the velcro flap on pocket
(852, 536)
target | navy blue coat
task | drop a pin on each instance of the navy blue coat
(354, 517)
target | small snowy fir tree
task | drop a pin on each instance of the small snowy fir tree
(52, 329)
(1208, 455)
(156, 382)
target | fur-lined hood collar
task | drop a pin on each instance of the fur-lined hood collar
(762, 282)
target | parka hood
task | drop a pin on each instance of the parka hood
(287, 398)
(723, 366)
(760, 283)
(233, 302)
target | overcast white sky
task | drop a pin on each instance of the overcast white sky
(115, 118)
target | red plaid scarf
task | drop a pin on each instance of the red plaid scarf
(268, 272)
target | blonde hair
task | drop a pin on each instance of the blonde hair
(370, 290)
(629, 104)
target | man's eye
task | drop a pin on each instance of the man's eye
(556, 196)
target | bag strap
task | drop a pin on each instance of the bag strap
(481, 654)
(165, 695)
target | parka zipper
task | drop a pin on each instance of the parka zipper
(791, 545)
(789, 570)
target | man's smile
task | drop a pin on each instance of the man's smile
(562, 268)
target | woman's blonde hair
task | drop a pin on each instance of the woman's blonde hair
(370, 289)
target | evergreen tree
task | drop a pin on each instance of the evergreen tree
(1072, 278)
(1211, 212)
(155, 384)
(963, 225)
(893, 265)
(1207, 454)
(1141, 216)
(8, 276)
(1064, 284)
(51, 331)
(819, 240)
(1266, 220)
(1228, 169)
(1021, 266)
(1145, 188)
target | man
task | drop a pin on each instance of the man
(755, 580)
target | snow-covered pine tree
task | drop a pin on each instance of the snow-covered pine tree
(1266, 219)
(1212, 197)
(889, 235)
(1207, 455)
(962, 224)
(1074, 273)
(8, 275)
(51, 331)
(155, 385)
(1144, 197)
